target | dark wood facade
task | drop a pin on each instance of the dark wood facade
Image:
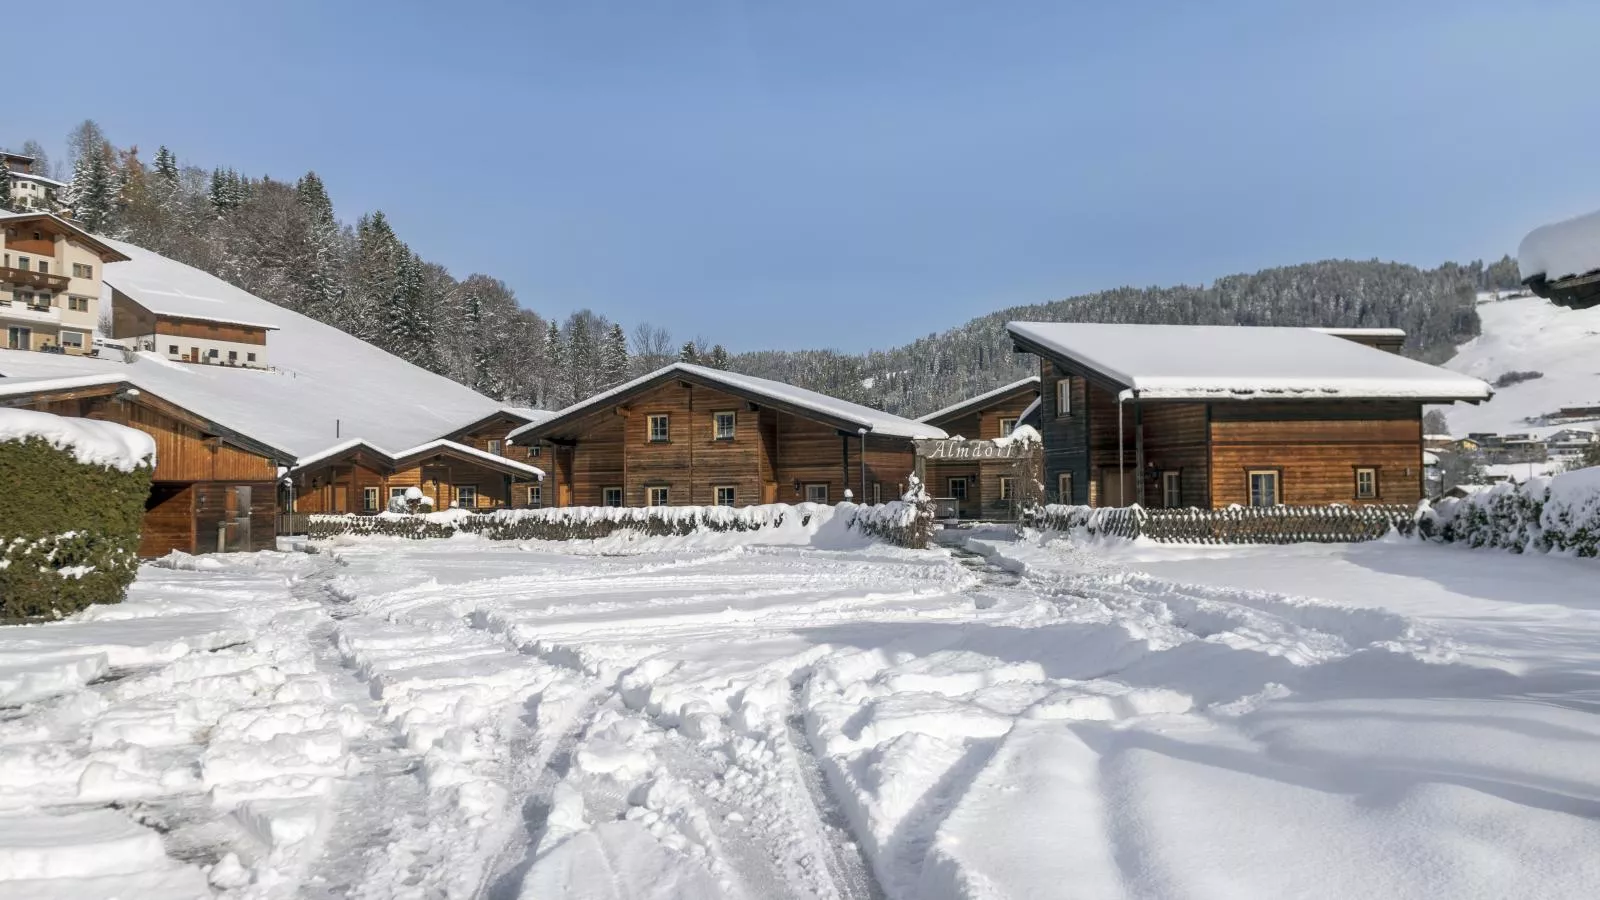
(979, 480)
(361, 479)
(1178, 454)
(772, 452)
(212, 489)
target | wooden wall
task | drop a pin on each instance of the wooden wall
(213, 331)
(340, 487)
(1066, 438)
(1175, 440)
(1317, 446)
(220, 514)
(182, 452)
(168, 520)
(983, 477)
(497, 430)
(129, 319)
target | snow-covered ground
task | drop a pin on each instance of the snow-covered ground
(1529, 334)
(689, 718)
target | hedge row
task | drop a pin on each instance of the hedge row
(1232, 525)
(1560, 514)
(69, 535)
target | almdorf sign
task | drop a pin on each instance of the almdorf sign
(955, 448)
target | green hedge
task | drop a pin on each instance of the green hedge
(69, 532)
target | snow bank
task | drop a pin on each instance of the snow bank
(1561, 249)
(92, 443)
(1559, 514)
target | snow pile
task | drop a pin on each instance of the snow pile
(1561, 249)
(1209, 362)
(1560, 514)
(93, 443)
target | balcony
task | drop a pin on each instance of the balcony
(21, 312)
(36, 280)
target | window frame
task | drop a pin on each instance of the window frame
(827, 491)
(62, 338)
(1377, 489)
(877, 492)
(605, 496)
(651, 491)
(1277, 487)
(497, 446)
(1172, 487)
(82, 270)
(716, 495)
(536, 495)
(966, 484)
(1007, 490)
(172, 350)
(1064, 488)
(650, 428)
(716, 424)
(1013, 421)
(1064, 397)
(370, 497)
(459, 489)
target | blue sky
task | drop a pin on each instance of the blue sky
(856, 174)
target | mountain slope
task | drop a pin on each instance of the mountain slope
(1522, 334)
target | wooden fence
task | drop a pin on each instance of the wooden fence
(1234, 525)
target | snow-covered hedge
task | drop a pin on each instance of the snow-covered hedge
(898, 522)
(1233, 525)
(1560, 513)
(72, 494)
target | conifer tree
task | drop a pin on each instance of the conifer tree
(319, 277)
(5, 185)
(166, 165)
(92, 195)
(689, 353)
(718, 358)
(555, 361)
(614, 358)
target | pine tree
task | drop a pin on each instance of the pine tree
(718, 358)
(166, 165)
(5, 185)
(92, 195)
(318, 278)
(555, 361)
(688, 353)
(614, 358)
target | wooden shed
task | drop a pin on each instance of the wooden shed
(981, 488)
(1210, 416)
(359, 477)
(687, 435)
(213, 488)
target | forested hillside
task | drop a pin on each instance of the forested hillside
(284, 242)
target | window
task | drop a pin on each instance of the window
(78, 304)
(958, 488)
(1172, 489)
(659, 433)
(1366, 484)
(72, 339)
(369, 499)
(1008, 487)
(535, 496)
(397, 493)
(724, 422)
(1064, 397)
(611, 496)
(1007, 426)
(249, 357)
(1263, 487)
(877, 492)
(1064, 487)
(44, 267)
(213, 353)
(22, 263)
(467, 496)
(817, 493)
(233, 356)
(497, 447)
(657, 496)
(725, 495)
(79, 270)
(172, 349)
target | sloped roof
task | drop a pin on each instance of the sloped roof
(1561, 249)
(1222, 362)
(110, 251)
(401, 459)
(841, 413)
(527, 414)
(325, 386)
(983, 399)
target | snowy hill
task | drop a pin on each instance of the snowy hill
(1529, 334)
(325, 386)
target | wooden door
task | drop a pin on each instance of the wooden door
(769, 492)
(1108, 488)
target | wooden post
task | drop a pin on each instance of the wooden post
(1138, 449)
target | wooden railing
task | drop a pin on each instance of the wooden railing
(1234, 525)
(36, 280)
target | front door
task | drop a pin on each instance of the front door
(1108, 488)
(19, 338)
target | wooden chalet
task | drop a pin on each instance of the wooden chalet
(1211, 416)
(981, 488)
(213, 488)
(488, 433)
(359, 477)
(689, 435)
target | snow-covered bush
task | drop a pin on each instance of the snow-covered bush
(907, 522)
(1560, 514)
(1233, 525)
(74, 504)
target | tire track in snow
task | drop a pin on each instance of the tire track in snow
(846, 861)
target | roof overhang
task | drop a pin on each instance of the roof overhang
(515, 419)
(988, 398)
(105, 251)
(1576, 292)
(370, 456)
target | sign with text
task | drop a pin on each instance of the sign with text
(957, 449)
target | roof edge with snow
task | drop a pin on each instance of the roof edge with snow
(405, 458)
(964, 406)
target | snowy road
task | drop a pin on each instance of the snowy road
(682, 718)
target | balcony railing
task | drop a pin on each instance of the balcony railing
(35, 280)
(23, 312)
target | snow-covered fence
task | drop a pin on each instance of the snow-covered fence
(1560, 514)
(1233, 525)
(898, 522)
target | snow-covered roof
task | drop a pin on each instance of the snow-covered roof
(30, 176)
(395, 458)
(91, 442)
(325, 384)
(955, 409)
(528, 414)
(169, 288)
(1364, 332)
(775, 392)
(1561, 249)
(1224, 362)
